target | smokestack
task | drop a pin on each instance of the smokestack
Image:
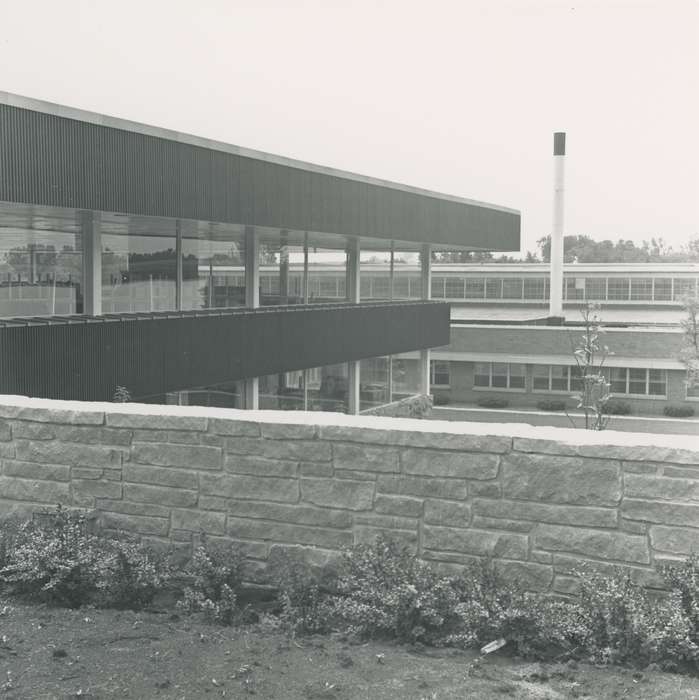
(556, 298)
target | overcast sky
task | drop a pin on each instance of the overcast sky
(460, 97)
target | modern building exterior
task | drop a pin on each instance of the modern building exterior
(184, 269)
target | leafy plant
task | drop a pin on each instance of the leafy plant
(54, 558)
(617, 408)
(678, 411)
(590, 355)
(492, 402)
(121, 395)
(217, 575)
(551, 405)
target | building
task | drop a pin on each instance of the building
(184, 269)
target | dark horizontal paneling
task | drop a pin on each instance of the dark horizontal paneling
(56, 161)
(87, 358)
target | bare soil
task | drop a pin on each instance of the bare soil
(87, 653)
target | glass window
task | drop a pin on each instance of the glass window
(618, 380)
(683, 287)
(637, 381)
(281, 392)
(618, 289)
(595, 288)
(438, 286)
(440, 375)
(657, 382)
(406, 377)
(512, 288)
(139, 265)
(41, 268)
(540, 377)
(663, 289)
(374, 267)
(574, 288)
(407, 283)
(516, 376)
(373, 382)
(454, 288)
(493, 288)
(498, 375)
(475, 288)
(280, 259)
(641, 288)
(534, 288)
(327, 388)
(213, 266)
(481, 374)
(559, 378)
(692, 391)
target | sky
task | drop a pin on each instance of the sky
(461, 97)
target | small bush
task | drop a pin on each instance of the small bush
(304, 594)
(551, 405)
(622, 624)
(55, 559)
(217, 575)
(440, 400)
(678, 411)
(617, 408)
(383, 590)
(493, 402)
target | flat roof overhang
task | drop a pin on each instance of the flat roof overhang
(55, 156)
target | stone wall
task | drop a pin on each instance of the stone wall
(540, 500)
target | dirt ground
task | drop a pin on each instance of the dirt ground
(53, 653)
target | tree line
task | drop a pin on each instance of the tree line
(583, 249)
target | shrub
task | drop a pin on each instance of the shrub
(678, 411)
(440, 400)
(217, 575)
(492, 402)
(383, 590)
(55, 559)
(551, 405)
(622, 624)
(303, 593)
(684, 578)
(617, 408)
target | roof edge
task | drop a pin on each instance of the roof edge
(58, 110)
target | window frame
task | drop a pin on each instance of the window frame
(490, 386)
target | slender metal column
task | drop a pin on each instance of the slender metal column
(178, 265)
(92, 262)
(426, 278)
(354, 296)
(391, 276)
(251, 392)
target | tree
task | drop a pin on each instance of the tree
(590, 356)
(689, 354)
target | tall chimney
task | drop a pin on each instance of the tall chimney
(556, 298)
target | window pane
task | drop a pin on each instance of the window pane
(474, 288)
(438, 287)
(642, 288)
(406, 377)
(618, 289)
(440, 373)
(516, 376)
(540, 376)
(684, 287)
(481, 374)
(595, 288)
(618, 380)
(499, 375)
(139, 265)
(455, 288)
(493, 288)
(512, 288)
(213, 272)
(663, 289)
(373, 382)
(40, 271)
(534, 288)
(559, 378)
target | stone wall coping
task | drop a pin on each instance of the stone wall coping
(570, 436)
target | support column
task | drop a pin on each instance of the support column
(391, 276)
(305, 268)
(353, 296)
(251, 394)
(92, 262)
(426, 279)
(179, 263)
